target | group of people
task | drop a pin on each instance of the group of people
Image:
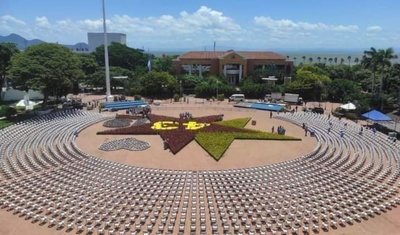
(280, 130)
(185, 115)
(308, 130)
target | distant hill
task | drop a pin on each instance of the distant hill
(23, 43)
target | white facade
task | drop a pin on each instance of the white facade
(97, 39)
(12, 94)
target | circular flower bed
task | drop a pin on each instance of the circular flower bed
(131, 144)
(116, 123)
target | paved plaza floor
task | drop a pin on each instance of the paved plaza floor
(241, 154)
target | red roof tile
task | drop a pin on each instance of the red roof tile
(263, 55)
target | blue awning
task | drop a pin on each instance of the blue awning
(376, 116)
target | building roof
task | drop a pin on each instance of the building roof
(263, 55)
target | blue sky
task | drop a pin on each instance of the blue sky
(196, 24)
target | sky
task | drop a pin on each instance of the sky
(196, 24)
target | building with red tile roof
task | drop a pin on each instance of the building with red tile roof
(234, 65)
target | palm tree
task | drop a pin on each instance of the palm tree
(356, 60)
(310, 60)
(335, 60)
(319, 59)
(287, 57)
(341, 60)
(294, 58)
(324, 60)
(349, 59)
(304, 58)
(330, 60)
(377, 61)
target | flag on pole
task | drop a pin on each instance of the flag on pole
(149, 65)
(5, 85)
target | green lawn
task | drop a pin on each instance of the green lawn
(5, 123)
(216, 143)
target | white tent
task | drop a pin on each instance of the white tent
(25, 103)
(349, 106)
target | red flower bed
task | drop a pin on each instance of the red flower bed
(158, 118)
(177, 138)
(209, 119)
(144, 129)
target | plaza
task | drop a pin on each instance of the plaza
(54, 182)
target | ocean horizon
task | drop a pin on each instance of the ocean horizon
(298, 54)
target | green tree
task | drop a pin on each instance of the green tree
(349, 59)
(7, 50)
(210, 85)
(339, 71)
(122, 56)
(303, 58)
(163, 64)
(97, 79)
(189, 83)
(335, 60)
(343, 90)
(46, 67)
(158, 84)
(319, 59)
(378, 61)
(330, 60)
(325, 60)
(311, 82)
(89, 66)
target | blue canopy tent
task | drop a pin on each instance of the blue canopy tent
(376, 116)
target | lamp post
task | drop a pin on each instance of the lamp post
(217, 89)
(106, 64)
(180, 88)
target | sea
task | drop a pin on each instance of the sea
(297, 55)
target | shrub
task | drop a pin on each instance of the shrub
(221, 97)
(351, 116)
(137, 97)
(20, 108)
(176, 97)
(5, 123)
(7, 111)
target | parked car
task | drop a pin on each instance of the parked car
(236, 97)
(318, 110)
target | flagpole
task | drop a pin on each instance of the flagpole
(107, 67)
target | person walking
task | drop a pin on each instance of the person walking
(270, 114)
(305, 130)
(273, 129)
(166, 144)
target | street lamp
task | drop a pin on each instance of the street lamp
(217, 89)
(180, 88)
(107, 67)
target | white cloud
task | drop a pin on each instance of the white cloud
(42, 22)
(289, 25)
(12, 19)
(374, 29)
(198, 29)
